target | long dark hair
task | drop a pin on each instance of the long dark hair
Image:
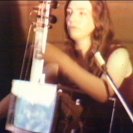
(103, 33)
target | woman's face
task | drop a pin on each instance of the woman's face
(79, 19)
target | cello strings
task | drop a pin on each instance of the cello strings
(25, 53)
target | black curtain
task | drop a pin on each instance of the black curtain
(12, 43)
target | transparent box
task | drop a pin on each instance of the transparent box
(32, 107)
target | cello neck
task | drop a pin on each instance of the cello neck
(41, 32)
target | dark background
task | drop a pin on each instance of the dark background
(12, 43)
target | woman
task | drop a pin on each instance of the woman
(89, 27)
(90, 31)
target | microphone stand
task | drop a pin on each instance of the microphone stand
(101, 62)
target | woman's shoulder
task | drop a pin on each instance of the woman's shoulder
(120, 56)
(114, 46)
(120, 53)
(118, 48)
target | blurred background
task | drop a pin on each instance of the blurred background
(17, 13)
(15, 19)
(121, 15)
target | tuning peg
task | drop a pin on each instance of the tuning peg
(52, 19)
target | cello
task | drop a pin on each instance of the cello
(31, 107)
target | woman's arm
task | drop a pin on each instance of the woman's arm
(92, 85)
(4, 104)
(51, 72)
(119, 66)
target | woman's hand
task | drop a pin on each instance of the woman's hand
(4, 104)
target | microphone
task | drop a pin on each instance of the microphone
(53, 19)
(100, 61)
